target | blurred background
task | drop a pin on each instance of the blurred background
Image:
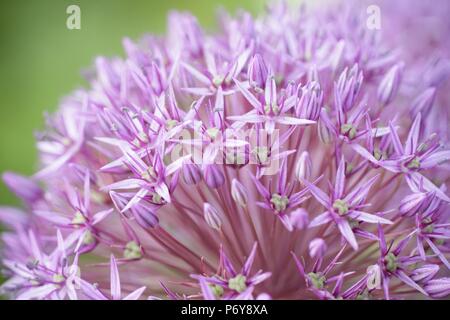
(41, 60)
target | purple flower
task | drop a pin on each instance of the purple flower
(229, 283)
(345, 209)
(392, 264)
(438, 288)
(44, 276)
(268, 110)
(296, 142)
(92, 292)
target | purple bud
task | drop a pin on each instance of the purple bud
(212, 216)
(191, 173)
(263, 296)
(299, 218)
(303, 167)
(411, 203)
(155, 79)
(239, 193)
(324, 132)
(144, 217)
(389, 85)
(23, 187)
(425, 272)
(438, 288)
(310, 102)
(213, 176)
(185, 34)
(317, 248)
(257, 71)
(424, 101)
(348, 86)
(141, 212)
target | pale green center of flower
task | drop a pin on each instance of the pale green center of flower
(78, 218)
(58, 278)
(213, 133)
(341, 206)
(88, 238)
(217, 290)
(65, 141)
(271, 108)
(218, 80)
(262, 154)
(132, 251)
(279, 202)
(391, 262)
(349, 168)
(317, 280)
(156, 198)
(238, 283)
(148, 174)
(349, 130)
(429, 229)
(414, 164)
(377, 154)
(170, 124)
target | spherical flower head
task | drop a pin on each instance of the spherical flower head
(292, 156)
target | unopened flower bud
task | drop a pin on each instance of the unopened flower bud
(155, 79)
(213, 176)
(438, 288)
(23, 187)
(317, 248)
(299, 218)
(263, 296)
(325, 134)
(191, 173)
(387, 90)
(425, 272)
(310, 102)
(303, 167)
(145, 217)
(424, 101)
(411, 203)
(239, 193)
(212, 216)
(257, 72)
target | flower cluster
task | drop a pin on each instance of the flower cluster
(293, 156)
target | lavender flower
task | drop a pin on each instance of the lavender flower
(291, 156)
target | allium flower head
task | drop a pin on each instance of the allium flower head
(292, 156)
